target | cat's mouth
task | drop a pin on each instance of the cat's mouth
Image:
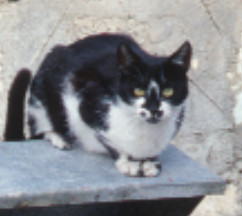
(152, 117)
(153, 120)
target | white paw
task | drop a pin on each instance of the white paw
(138, 168)
(56, 140)
(126, 167)
(151, 168)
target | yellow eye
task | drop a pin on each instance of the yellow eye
(168, 92)
(139, 92)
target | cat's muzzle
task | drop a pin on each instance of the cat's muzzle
(153, 117)
(153, 120)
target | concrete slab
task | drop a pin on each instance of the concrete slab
(33, 173)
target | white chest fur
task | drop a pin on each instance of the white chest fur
(129, 134)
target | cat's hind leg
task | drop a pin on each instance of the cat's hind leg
(41, 125)
(56, 140)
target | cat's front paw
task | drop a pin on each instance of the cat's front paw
(138, 168)
(128, 167)
(56, 140)
(151, 168)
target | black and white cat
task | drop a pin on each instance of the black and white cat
(106, 94)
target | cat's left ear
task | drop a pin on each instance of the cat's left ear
(125, 56)
(182, 57)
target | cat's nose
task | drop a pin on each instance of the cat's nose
(156, 113)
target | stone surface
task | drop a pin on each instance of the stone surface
(36, 174)
(212, 130)
(225, 204)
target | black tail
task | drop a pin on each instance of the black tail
(15, 112)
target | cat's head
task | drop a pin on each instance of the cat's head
(156, 87)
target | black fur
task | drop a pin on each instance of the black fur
(90, 62)
(15, 119)
(102, 67)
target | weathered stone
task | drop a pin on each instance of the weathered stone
(224, 205)
(212, 149)
(36, 174)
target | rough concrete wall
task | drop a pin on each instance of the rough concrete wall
(212, 130)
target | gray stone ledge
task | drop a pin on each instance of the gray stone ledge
(33, 173)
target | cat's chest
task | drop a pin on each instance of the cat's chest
(130, 134)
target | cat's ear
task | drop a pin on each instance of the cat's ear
(182, 57)
(125, 56)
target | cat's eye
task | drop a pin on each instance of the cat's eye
(139, 92)
(168, 92)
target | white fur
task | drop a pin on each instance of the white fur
(131, 135)
(154, 86)
(164, 107)
(44, 126)
(150, 169)
(42, 121)
(146, 114)
(85, 135)
(168, 110)
(127, 167)
(56, 140)
(135, 168)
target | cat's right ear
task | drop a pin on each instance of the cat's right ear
(125, 56)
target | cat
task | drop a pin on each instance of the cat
(106, 94)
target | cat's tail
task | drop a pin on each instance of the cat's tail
(14, 129)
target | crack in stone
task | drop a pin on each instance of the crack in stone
(212, 101)
(210, 15)
(52, 33)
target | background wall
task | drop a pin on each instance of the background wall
(212, 130)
